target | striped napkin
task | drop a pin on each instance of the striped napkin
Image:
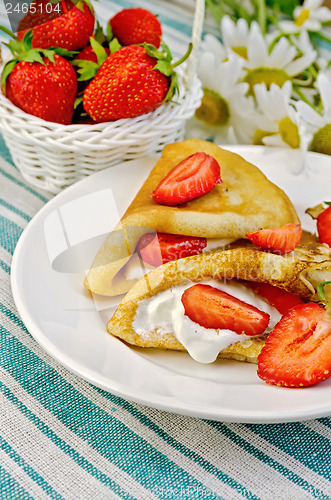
(62, 438)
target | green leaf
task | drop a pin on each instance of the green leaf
(87, 69)
(32, 56)
(78, 100)
(327, 203)
(98, 34)
(98, 50)
(285, 6)
(164, 66)
(109, 32)
(64, 52)
(49, 54)
(8, 68)
(114, 45)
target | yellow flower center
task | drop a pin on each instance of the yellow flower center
(241, 51)
(267, 76)
(213, 110)
(259, 136)
(321, 142)
(289, 132)
(302, 17)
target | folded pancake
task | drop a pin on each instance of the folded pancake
(245, 201)
(298, 272)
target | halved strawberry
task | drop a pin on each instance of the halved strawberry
(191, 178)
(323, 216)
(282, 300)
(297, 352)
(279, 240)
(212, 308)
(159, 248)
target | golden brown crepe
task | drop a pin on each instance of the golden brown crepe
(245, 201)
(298, 272)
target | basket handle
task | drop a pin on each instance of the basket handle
(191, 67)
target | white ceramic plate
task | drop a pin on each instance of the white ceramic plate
(49, 265)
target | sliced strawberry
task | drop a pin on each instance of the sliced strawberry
(191, 178)
(324, 226)
(297, 352)
(279, 240)
(212, 308)
(282, 300)
(159, 248)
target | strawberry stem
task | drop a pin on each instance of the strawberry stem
(185, 56)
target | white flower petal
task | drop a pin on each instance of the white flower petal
(296, 67)
(309, 115)
(324, 86)
(274, 140)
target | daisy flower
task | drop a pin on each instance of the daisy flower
(309, 16)
(277, 119)
(279, 122)
(226, 113)
(319, 124)
(236, 36)
(283, 63)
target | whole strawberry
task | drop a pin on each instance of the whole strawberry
(40, 82)
(136, 25)
(132, 81)
(70, 30)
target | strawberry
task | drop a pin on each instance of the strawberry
(191, 178)
(159, 248)
(279, 240)
(136, 25)
(40, 82)
(323, 224)
(70, 30)
(212, 308)
(282, 300)
(297, 352)
(132, 81)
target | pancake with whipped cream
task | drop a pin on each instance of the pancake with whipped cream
(243, 202)
(151, 314)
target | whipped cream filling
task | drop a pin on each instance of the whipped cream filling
(164, 313)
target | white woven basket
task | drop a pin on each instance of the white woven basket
(53, 156)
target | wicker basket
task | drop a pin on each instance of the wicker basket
(53, 156)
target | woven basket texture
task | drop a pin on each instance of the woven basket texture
(53, 156)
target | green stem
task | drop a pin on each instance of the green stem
(261, 15)
(185, 56)
(321, 36)
(302, 96)
(8, 32)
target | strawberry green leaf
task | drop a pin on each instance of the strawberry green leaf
(164, 67)
(8, 68)
(32, 56)
(49, 54)
(78, 100)
(63, 52)
(98, 34)
(109, 32)
(114, 45)
(99, 51)
(87, 69)
(327, 203)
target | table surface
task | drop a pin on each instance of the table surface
(62, 438)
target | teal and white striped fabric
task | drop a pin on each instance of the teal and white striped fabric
(62, 438)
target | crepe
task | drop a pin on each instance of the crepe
(245, 201)
(298, 272)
